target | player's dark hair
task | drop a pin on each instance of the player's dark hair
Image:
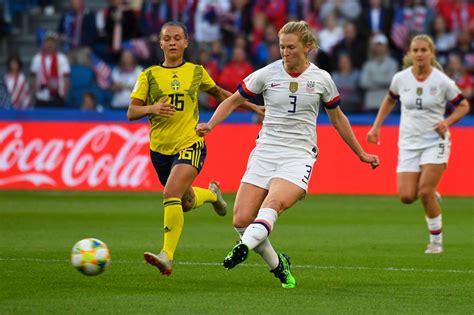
(174, 23)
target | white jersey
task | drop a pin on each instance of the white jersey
(423, 104)
(291, 106)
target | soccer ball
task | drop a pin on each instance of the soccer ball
(90, 256)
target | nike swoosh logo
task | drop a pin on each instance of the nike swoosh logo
(275, 84)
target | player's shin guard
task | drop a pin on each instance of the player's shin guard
(202, 195)
(173, 225)
(259, 230)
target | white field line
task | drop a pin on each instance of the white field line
(357, 268)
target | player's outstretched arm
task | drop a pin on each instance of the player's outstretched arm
(221, 113)
(343, 127)
(388, 103)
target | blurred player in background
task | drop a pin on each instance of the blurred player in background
(280, 166)
(168, 95)
(424, 141)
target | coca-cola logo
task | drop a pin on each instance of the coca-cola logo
(110, 155)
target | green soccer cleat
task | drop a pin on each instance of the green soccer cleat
(238, 254)
(220, 206)
(283, 272)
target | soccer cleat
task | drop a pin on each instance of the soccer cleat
(220, 206)
(238, 254)
(160, 261)
(283, 272)
(434, 248)
(438, 197)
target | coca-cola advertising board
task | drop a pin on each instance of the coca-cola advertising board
(115, 156)
(74, 155)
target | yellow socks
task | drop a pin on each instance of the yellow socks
(202, 195)
(173, 225)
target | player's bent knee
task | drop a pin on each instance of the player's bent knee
(241, 222)
(426, 194)
(276, 205)
(407, 199)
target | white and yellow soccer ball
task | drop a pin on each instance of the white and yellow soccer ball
(90, 256)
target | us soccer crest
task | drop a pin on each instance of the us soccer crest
(433, 90)
(310, 86)
(419, 91)
(293, 87)
(175, 85)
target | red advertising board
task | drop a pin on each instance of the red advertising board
(115, 156)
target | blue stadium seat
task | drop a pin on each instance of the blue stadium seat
(82, 80)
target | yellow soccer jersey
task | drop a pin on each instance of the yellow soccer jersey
(182, 84)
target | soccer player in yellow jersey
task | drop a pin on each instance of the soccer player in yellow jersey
(168, 95)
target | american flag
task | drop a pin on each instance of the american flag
(138, 47)
(102, 71)
(399, 28)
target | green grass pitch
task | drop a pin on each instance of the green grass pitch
(350, 254)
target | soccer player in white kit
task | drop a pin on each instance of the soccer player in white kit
(280, 166)
(424, 140)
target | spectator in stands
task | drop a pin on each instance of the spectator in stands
(412, 18)
(331, 34)
(443, 39)
(419, 16)
(312, 14)
(50, 71)
(258, 30)
(375, 18)
(261, 57)
(153, 15)
(235, 71)
(457, 72)
(121, 24)
(377, 73)
(237, 22)
(207, 19)
(465, 48)
(218, 53)
(274, 11)
(343, 9)
(123, 78)
(77, 29)
(351, 42)
(211, 66)
(347, 82)
(89, 102)
(16, 84)
(458, 14)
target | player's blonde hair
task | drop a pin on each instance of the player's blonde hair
(407, 59)
(302, 30)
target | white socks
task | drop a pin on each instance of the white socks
(435, 228)
(265, 248)
(259, 229)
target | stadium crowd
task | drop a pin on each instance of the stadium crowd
(91, 61)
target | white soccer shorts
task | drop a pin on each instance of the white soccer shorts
(263, 167)
(412, 160)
